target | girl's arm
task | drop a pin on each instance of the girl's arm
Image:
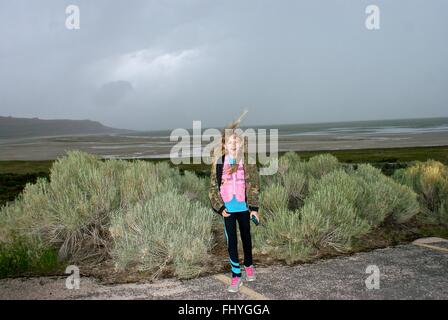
(213, 194)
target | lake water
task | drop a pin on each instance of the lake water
(346, 128)
(367, 127)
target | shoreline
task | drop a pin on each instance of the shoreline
(157, 148)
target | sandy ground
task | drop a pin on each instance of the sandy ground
(45, 148)
(405, 272)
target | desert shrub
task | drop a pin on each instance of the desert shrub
(296, 186)
(22, 249)
(71, 213)
(139, 181)
(339, 206)
(284, 233)
(135, 181)
(281, 237)
(166, 231)
(297, 176)
(81, 195)
(344, 206)
(320, 165)
(288, 162)
(273, 198)
(167, 173)
(406, 206)
(266, 180)
(195, 188)
(383, 199)
(430, 181)
(329, 217)
(28, 215)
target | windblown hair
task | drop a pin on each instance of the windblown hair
(226, 133)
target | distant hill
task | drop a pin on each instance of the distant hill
(11, 127)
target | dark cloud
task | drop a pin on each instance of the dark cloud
(157, 64)
(111, 93)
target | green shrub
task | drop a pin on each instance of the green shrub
(430, 181)
(273, 198)
(329, 217)
(333, 207)
(26, 218)
(81, 195)
(406, 206)
(135, 181)
(382, 198)
(195, 188)
(71, 213)
(322, 164)
(150, 217)
(281, 237)
(297, 177)
(166, 231)
(296, 186)
(288, 162)
(24, 257)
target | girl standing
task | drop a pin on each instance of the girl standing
(234, 194)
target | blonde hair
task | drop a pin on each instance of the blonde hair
(231, 130)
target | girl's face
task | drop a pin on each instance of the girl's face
(233, 144)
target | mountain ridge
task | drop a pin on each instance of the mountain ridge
(12, 127)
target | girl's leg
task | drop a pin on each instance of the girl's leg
(244, 224)
(232, 244)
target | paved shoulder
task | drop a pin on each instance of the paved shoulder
(404, 272)
(411, 271)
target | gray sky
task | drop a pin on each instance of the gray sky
(162, 64)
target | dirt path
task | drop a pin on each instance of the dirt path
(414, 271)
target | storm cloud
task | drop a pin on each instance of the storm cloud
(162, 64)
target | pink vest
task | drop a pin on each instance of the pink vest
(233, 184)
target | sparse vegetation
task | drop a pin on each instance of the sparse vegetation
(72, 212)
(328, 207)
(430, 181)
(22, 257)
(166, 231)
(150, 217)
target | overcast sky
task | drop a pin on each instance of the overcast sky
(162, 64)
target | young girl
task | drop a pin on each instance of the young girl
(234, 194)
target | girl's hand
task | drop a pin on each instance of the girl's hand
(225, 214)
(255, 213)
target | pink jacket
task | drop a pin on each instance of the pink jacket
(233, 184)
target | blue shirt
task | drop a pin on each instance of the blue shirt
(234, 205)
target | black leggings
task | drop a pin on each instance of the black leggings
(243, 219)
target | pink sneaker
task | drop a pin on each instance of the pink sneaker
(235, 285)
(250, 273)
